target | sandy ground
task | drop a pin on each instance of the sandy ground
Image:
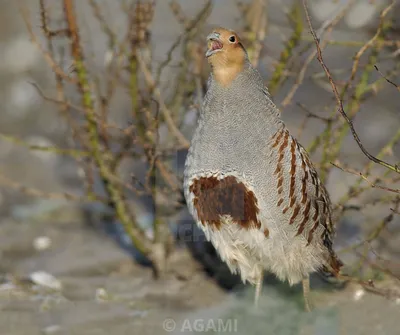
(104, 292)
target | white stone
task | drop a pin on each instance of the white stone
(42, 243)
(149, 234)
(81, 172)
(101, 295)
(45, 279)
(358, 294)
(108, 57)
(52, 329)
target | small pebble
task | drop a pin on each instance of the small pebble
(101, 295)
(41, 243)
(81, 172)
(358, 294)
(52, 329)
(46, 280)
(150, 234)
(108, 57)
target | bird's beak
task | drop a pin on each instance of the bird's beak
(214, 44)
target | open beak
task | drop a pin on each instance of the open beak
(214, 44)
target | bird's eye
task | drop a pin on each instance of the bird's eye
(232, 39)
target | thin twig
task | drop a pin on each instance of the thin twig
(48, 195)
(339, 101)
(359, 174)
(190, 26)
(47, 56)
(370, 287)
(164, 110)
(325, 29)
(367, 45)
(296, 21)
(388, 80)
(312, 115)
(59, 151)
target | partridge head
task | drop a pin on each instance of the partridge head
(226, 55)
(250, 186)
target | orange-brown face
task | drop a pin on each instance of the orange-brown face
(225, 54)
(223, 43)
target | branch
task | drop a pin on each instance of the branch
(117, 200)
(164, 110)
(373, 185)
(370, 287)
(297, 24)
(48, 195)
(190, 27)
(55, 150)
(394, 168)
(367, 45)
(47, 56)
(325, 29)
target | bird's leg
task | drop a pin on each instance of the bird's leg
(259, 283)
(306, 293)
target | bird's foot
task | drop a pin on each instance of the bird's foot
(306, 294)
(259, 284)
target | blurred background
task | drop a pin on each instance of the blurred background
(99, 99)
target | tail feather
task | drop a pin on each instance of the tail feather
(332, 268)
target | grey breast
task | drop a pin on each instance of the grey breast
(235, 125)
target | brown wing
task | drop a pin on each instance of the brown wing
(215, 197)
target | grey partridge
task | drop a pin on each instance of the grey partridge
(248, 183)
